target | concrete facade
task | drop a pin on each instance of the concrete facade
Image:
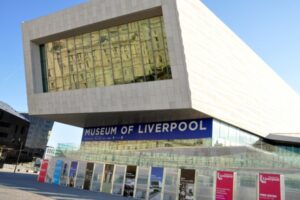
(214, 73)
(229, 81)
(159, 96)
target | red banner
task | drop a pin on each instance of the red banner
(224, 185)
(43, 171)
(269, 187)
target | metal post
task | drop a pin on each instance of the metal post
(18, 156)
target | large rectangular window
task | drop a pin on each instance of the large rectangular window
(128, 53)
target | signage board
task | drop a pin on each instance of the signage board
(57, 172)
(129, 185)
(72, 173)
(49, 153)
(43, 171)
(187, 129)
(88, 176)
(156, 181)
(224, 188)
(107, 178)
(270, 187)
(187, 183)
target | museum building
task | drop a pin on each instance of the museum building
(166, 94)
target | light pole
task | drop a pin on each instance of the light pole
(19, 155)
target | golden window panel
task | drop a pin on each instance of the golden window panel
(128, 53)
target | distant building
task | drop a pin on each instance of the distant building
(60, 150)
(37, 134)
(22, 131)
(66, 147)
(13, 132)
(49, 153)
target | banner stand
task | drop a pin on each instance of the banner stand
(270, 186)
(224, 185)
(43, 171)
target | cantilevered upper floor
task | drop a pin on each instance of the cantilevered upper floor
(127, 61)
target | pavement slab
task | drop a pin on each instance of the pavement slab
(25, 187)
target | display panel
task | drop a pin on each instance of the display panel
(64, 173)
(142, 183)
(170, 183)
(107, 178)
(246, 184)
(50, 171)
(129, 185)
(88, 176)
(72, 173)
(204, 184)
(187, 184)
(57, 172)
(80, 175)
(128, 53)
(118, 183)
(43, 171)
(224, 185)
(270, 186)
(156, 181)
(97, 177)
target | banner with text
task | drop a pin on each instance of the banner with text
(187, 129)
(72, 173)
(57, 172)
(224, 185)
(43, 171)
(270, 186)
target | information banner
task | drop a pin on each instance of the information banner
(72, 173)
(129, 181)
(224, 185)
(187, 183)
(57, 172)
(107, 178)
(156, 180)
(269, 187)
(64, 173)
(88, 176)
(188, 129)
(43, 171)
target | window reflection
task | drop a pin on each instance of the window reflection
(133, 52)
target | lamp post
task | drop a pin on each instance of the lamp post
(19, 155)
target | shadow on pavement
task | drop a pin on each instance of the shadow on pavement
(28, 182)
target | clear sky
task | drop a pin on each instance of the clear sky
(270, 27)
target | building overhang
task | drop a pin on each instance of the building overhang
(285, 138)
(133, 117)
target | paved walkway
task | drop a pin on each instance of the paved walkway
(8, 193)
(24, 186)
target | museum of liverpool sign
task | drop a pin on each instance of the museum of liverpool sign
(187, 129)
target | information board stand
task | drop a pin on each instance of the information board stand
(224, 185)
(43, 171)
(270, 187)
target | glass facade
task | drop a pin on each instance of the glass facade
(128, 53)
(229, 148)
(97, 177)
(142, 183)
(260, 153)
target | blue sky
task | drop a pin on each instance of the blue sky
(270, 27)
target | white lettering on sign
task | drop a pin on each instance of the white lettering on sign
(177, 128)
(269, 178)
(221, 176)
(101, 131)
